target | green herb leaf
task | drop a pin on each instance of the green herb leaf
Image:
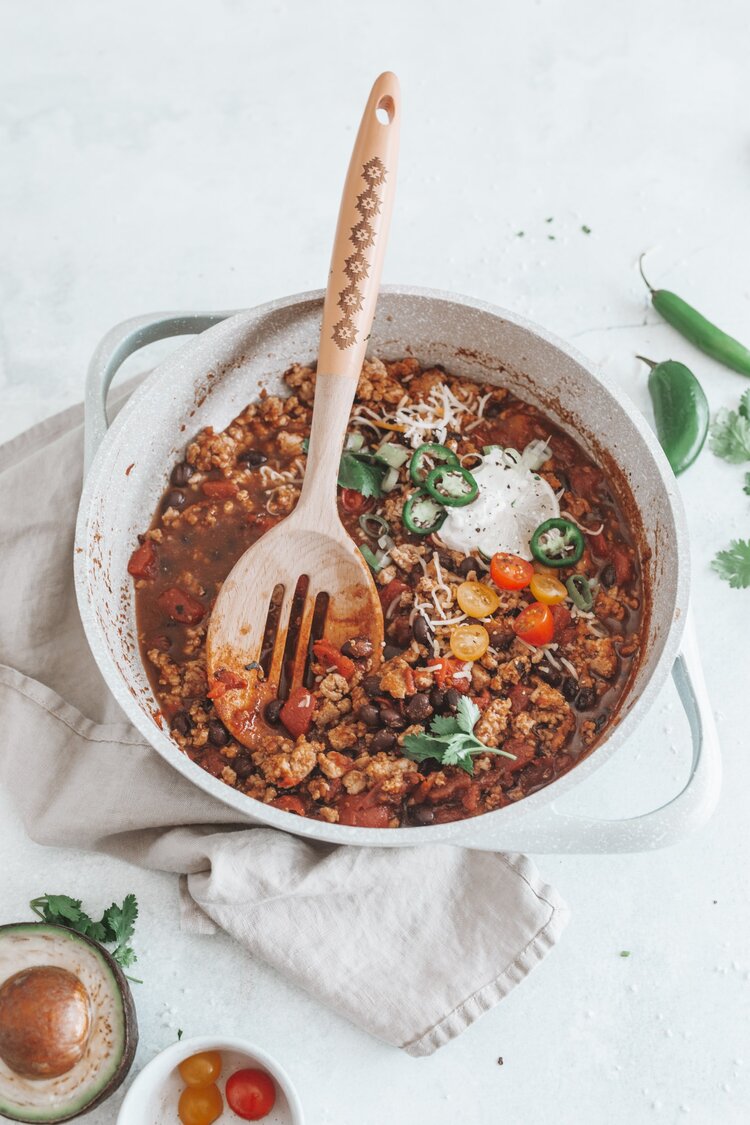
(115, 927)
(746, 488)
(179, 1034)
(730, 433)
(120, 922)
(744, 407)
(467, 714)
(451, 740)
(585, 229)
(361, 474)
(733, 565)
(624, 952)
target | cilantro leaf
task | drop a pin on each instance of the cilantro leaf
(733, 565)
(361, 474)
(451, 740)
(744, 407)
(746, 488)
(730, 433)
(115, 927)
(444, 724)
(467, 714)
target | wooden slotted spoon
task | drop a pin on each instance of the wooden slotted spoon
(310, 552)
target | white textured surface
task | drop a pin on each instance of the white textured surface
(183, 155)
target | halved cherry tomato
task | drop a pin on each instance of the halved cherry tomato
(219, 489)
(200, 1105)
(202, 1069)
(251, 1094)
(297, 712)
(181, 606)
(328, 654)
(469, 642)
(354, 502)
(547, 589)
(143, 563)
(476, 599)
(224, 681)
(510, 572)
(450, 674)
(535, 624)
(392, 590)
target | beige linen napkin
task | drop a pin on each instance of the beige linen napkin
(410, 944)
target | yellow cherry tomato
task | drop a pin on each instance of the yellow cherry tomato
(200, 1105)
(476, 599)
(469, 642)
(541, 569)
(547, 590)
(202, 1069)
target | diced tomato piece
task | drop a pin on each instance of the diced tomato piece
(354, 502)
(564, 627)
(516, 430)
(297, 712)
(358, 812)
(392, 590)
(586, 481)
(290, 803)
(219, 489)
(438, 794)
(599, 546)
(262, 520)
(143, 562)
(329, 655)
(623, 564)
(520, 696)
(181, 606)
(450, 673)
(225, 681)
(524, 752)
(483, 700)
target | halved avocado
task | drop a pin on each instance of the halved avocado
(68, 1029)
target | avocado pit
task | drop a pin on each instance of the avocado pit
(45, 1021)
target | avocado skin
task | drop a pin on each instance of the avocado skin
(131, 1021)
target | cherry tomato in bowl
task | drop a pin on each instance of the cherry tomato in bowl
(251, 1094)
(202, 1069)
(200, 1105)
(510, 572)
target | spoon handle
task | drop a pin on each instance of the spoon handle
(353, 281)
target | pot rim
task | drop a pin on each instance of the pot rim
(459, 831)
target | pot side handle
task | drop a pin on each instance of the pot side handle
(112, 351)
(553, 832)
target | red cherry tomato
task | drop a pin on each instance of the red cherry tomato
(354, 502)
(535, 625)
(251, 1094)
(297, 712)
(510, 572)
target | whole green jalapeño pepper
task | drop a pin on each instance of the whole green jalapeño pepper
(557, 543)
(680, 411)
(701, 332)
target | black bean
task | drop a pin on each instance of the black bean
(383, 740)
(466, 566)
(175, 498)
(437, 699)
(390, 717)
(585, 699)
(550, 676)
(272, 711)
(181, 723)
(423, 814)
(421, 630)
(419, 707)
(181, 474)
(370, 715)
(600, 721)
(390, 651)
(492, 409)
(252, 457)
(218, 735)
(569, 688)
(609, 576)
(501, 638)
(358, 648)
(371, 685)
(563, 479)
(445, 562)
(451, 699)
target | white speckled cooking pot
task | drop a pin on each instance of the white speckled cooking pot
(209, 380)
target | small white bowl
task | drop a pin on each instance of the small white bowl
(153, 1097)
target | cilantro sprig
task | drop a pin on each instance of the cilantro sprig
(730, 433)
(115, 927)
(733, 565)
(451, 740)
(362, 472)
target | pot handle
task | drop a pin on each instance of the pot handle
(112, 351)
(551, 831)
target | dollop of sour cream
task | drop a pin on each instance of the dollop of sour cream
(513, 500)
